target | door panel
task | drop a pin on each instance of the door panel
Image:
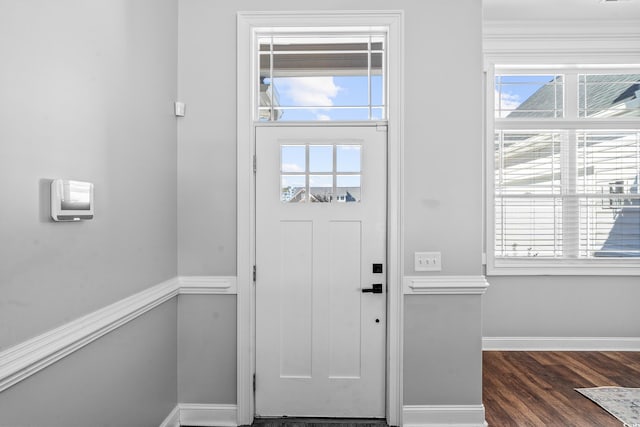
(345, 238)
(320, 225)
(296, 248)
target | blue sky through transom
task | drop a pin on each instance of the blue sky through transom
(324, 96)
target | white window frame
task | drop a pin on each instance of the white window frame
(549, 49)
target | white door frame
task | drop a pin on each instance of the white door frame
(247, 24)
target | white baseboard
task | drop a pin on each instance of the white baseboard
(173, 419)
(208, 415)
(561, 344)
(443, 415)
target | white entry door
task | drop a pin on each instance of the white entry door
(321, 273)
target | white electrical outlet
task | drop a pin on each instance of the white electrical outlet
(428, 261)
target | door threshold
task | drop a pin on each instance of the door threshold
(318, 422)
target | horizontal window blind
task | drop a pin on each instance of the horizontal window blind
(597, 202)
(527, 198)
(608, 193)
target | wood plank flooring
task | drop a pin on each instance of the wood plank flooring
(536, 388)
(530, 389)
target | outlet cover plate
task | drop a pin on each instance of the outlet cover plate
(428, 261)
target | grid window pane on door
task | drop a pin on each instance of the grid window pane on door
(567, 186)
(320, 173)
(321, 77)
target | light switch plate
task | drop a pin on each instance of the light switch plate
(179, 108)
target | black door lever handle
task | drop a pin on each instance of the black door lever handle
(375, 289)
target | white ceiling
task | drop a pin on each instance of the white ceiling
(518, 10)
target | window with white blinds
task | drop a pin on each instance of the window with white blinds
(566, 165)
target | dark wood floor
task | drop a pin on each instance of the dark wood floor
(523, 389)
(531, 389)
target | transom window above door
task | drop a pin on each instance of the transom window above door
(315, 76)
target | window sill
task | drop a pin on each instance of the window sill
(563, 267)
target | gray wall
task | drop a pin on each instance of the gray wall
(548, 306)
(443, 73)
(207, 349)
(87, 90)
(127, 378)
(443, 350)
(443, 89)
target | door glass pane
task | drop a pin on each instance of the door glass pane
(348, 158)
(320, 158)
(293, 188)
(293, 158)
(348, 188)
(333, 174)
(321, 188)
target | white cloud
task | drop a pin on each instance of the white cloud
(321, 117)
(309, 91)
(508, 102)
(291, 167)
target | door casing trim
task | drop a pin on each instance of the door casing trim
(247, 23)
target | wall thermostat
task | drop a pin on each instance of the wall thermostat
(71, 200)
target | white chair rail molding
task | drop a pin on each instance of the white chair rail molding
(27, 358)
(445, 285)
